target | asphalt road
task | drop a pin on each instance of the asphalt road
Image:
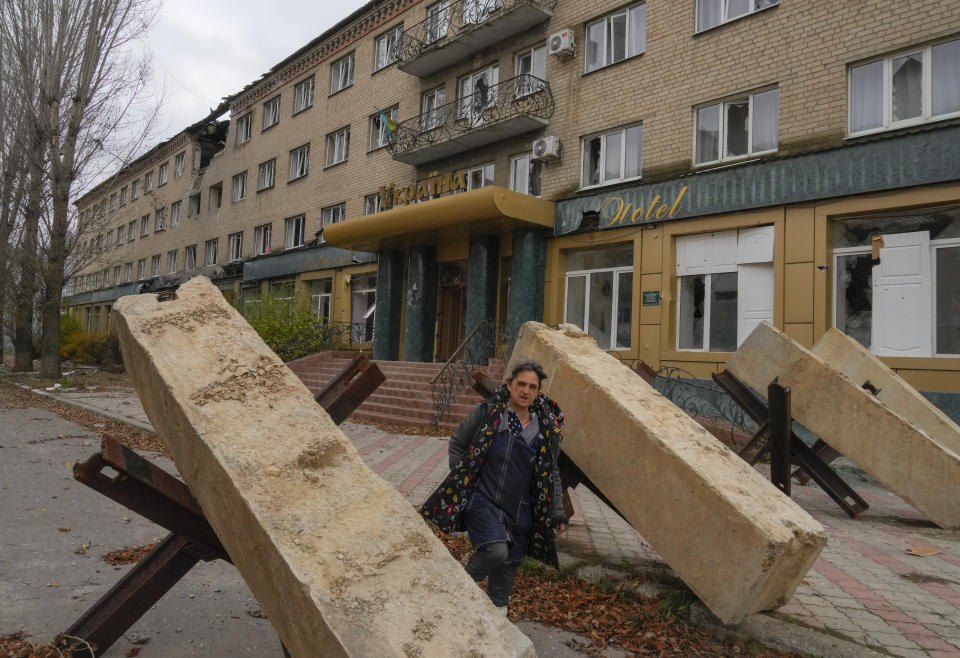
(46, 584)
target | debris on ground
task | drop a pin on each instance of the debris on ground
(14, 397)
(128, 554)
(16, 645)
(620, 618)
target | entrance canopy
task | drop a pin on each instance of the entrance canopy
(488, 210)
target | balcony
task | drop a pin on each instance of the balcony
(501, 111)
(457, 29)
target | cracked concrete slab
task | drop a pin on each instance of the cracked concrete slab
(340, 562)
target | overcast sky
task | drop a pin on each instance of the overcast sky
(204, 50)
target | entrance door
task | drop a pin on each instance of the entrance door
(451, 306)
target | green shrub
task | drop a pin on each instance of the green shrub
(79, 347)
(288, 326)
(91, 349)
(69, 326)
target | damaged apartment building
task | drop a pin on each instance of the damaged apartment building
(665, 175)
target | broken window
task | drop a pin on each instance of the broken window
(216, 197)
(725, 287)
(599, 293)
(210, 251)
(293, 234)
(363, 305)
(303, 95)
(341, 74)
(262, 236)
(190, 257)
(235, 246)
(321, 295)
(906, 304)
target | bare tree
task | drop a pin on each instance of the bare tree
(89, 91)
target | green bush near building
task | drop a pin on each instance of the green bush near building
(288, 325)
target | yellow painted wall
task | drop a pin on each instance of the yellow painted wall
(802, 279)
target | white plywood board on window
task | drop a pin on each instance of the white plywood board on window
(902, 290)
(755, 245)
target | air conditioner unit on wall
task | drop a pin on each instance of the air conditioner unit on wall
(562, 43)
(546, 148)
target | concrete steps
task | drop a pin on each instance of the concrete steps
(405, 398)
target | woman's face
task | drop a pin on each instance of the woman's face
(523, 389)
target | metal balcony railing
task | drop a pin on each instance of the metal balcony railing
(524, 96)
(446, 20)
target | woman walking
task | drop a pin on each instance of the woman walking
(504, 487)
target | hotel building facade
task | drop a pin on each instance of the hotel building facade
(663, 174)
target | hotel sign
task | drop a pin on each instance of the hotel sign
(615, 211)
(393, 195)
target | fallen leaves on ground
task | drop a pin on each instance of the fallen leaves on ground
(14, 397)
(16, 645)
(400, 428)
(619, 618)
(128, 555)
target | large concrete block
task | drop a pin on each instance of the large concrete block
(340, 562)
(884, 443)
(843, 353)
(732, 536)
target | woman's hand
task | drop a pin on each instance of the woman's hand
(560, 528)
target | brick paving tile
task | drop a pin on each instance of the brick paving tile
(892, 640)
(908, 653)
(944, 654)
(933, 643)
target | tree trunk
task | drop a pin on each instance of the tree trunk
(27, 288)
(53, 286)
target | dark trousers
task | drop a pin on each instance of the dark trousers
(491, 562)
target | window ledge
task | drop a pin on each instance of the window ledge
(602, 186)
(272, 125)
(734, 162)
(301, 111)
(340, 91)
(294, 180)
(610, 66)
(335, 164)
(903, 127)
(265, 189)
(697, 33)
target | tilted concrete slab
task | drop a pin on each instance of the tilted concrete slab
(734, 538)
(843, 353)
(341, 564)
(884, 443)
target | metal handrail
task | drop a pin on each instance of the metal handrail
(484, 341)
(449, 21)
(524, 94)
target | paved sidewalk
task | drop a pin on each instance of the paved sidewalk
(864, 586)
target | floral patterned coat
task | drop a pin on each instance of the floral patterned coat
(445, 506)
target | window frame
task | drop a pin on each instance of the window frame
(160, 219)
(435, 120)
(141, 269)
(235, 239)
(605, 19)
(926, 113)
(615, 296)
(179, 162)
(335, 137)
(262, 239)
(723, 14)
(155, 265)
(326, 217)
(176, 210)
(163, 174)
(148, 182)
(298, 240)
(271, 166)
(134, 190)
(722, 139)
(861, 250)
(145, 226)
(528, 157)
(397, 33)
(303, 93)
(191, 212)
(244, 128)
(238, 192)
(340, 79)
(602, 136)
(172, 257)
(521, 90)
(376, 128)
(190, 254)
(377, 204)
(212, 242)
(271, 110)
(299, 162)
